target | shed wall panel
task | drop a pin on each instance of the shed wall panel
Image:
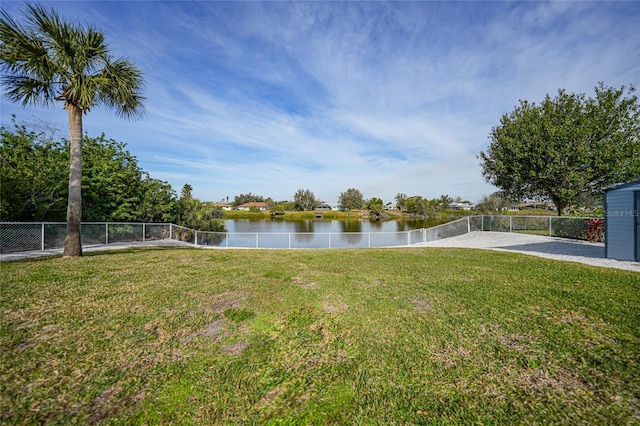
(620, 239)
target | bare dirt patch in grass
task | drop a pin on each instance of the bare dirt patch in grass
(235, 348)
(304, 283)
(334, 307)
(214, 329)
(560, 381)
(422, 306)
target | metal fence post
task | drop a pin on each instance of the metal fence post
(106, 233)
(196, 238)
(482, 229)
(42, 238)
(468, 225)
(550, 233)
(171, 231)
(257, 240)
(144, 231)
(289, 239)
(510, 223)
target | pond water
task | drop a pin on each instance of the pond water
(315, 233)
(320, 226)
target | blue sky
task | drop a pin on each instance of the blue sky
(385, 97)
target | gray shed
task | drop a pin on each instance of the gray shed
(622, 222)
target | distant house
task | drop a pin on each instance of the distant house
(462, 206)
(253, 205)
(537, 206)
(223, 206)
(327, 206)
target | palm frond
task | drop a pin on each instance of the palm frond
(48, 59)
(28, 91)
(122, 88)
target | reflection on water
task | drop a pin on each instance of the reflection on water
(351, 225)
(322, 226)
(304, 225)
(314, 233)
(351, 238)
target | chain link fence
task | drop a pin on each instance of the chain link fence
(551, 226)
(309, 239)
(21, 236)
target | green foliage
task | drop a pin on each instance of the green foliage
(247, 198)
(278, 209)
(443, 202)
(46, 60)
(157, 201)
(35, 170)
(566, 146)
(304, 199)
(495, 202)
(185, 193)
(194, 214)
(109, 178)
(416, 205)
(400, 201)
(351, 199)
(570, 228)
(33, 175)
(375, 205)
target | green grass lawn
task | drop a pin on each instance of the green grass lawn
(389, 336)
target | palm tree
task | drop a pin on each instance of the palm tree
(50, 60)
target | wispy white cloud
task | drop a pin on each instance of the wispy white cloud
(387, 97)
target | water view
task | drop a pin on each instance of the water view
(321, 226)
(315, 233)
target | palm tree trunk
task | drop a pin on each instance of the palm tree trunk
(73, 241)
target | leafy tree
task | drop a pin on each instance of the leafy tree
(277, 209)
(51, 60)
(444, 202)
(269, 202)
(32, 175)
(351, 199)
(416, 205)
(565, 146)
(304, 199)
(115, 188)
(197, 215)
(111, 181)
(400, 201)
(185, 193)
(375, 205)
(247, 198)
(34, 168)
(201, 216)
(494, 202)
(157, 201)
(288, 205)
